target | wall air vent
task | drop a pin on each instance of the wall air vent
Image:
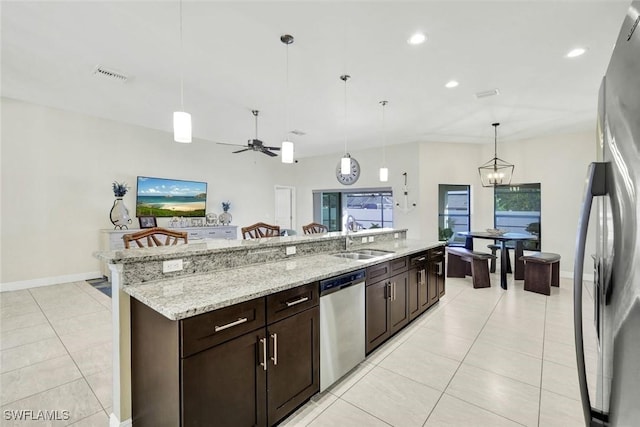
(487, 93)
(109, 74)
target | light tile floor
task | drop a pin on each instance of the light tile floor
(481, 357)
(55, 347)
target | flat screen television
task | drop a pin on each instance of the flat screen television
(163, 197)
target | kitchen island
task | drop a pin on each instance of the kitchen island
(220, 275)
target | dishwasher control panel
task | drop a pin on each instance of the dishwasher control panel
(339, 282)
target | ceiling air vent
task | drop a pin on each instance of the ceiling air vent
(106, 73)
(487, 93)
(298, 132)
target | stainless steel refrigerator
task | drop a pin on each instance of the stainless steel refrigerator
(613, 183)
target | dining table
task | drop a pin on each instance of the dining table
(503, 238)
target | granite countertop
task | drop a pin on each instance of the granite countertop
(197, 247)
(184, 297)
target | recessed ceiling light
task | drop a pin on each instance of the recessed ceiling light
(417, 38)
(576, 52)
(451, 84)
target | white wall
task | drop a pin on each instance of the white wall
(318, 173)
(57, 170)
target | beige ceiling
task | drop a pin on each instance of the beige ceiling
(234, 62)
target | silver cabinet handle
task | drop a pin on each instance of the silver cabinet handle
(389, 293)
(422, 258)
(298, 301)
(393, 291)
(439, 272)
(263, 341)
(422, 274)
(230, 325)
(274, 337)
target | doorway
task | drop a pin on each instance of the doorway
(284, 204)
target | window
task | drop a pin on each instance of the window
(454, 214)
(371, 208)
(517, 209)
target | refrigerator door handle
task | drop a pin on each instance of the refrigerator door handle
(595, 186)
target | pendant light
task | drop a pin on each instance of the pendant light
(384, 171)
(345, 162)
(287, 146)
(496, 171)
(181, 119)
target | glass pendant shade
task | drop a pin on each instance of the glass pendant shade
(345, 165)
(384, 174)
(287, 152)
(182, 127)
(496, 171)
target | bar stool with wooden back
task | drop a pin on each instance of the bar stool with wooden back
(153, 236)
(260, 229)
(314, 228)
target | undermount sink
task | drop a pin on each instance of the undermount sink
(363, 254)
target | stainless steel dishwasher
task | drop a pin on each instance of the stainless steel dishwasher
(342, 327)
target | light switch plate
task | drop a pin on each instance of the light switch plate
(171, 265)
(364, 240)
(370, 239)
(290, 250)
(396, 235)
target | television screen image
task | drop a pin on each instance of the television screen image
(162, 197)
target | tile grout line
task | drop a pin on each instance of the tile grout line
(462, 361)
(68, 354)
(544, 331)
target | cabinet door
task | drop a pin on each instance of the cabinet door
(423, 288)
(439, 267)
(226, 385)
(433, 293)
(293, 373)
(398, 304)
(414, 292)
(377, 316)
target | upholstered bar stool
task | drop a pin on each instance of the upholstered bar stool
(541, 271)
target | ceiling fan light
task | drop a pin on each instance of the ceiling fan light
(287, 152)
(384, 174)
(182, 127)
(345, 165)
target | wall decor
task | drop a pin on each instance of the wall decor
(211, 219)
(225, 217)
(196, 222)
(147, 221)
(161, 197)
(119, 214)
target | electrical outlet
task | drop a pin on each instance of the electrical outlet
(290, 250)
(371, 239)
(364, 240)
(171, 265)
(396, 235)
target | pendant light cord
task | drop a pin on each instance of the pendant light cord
(384, 134)
(181, 63)
(286, 96)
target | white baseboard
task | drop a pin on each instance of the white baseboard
(569, 275)
(47, 281)
(115, 422)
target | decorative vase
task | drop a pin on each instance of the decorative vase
(119, 215)
(225, 218)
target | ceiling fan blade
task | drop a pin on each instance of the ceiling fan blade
(240, 151)
(235, 145)
(269, 153)
(272, 148)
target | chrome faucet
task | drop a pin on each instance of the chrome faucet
(349, 225)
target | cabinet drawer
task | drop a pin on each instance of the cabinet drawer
(418, 260)
(436, 252)
(210, 329)
(398, 265)
(377, 272)
(291, 301)
(194, 234)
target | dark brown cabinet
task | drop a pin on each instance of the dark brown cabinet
(435, 270)
(419, 293)
(249, 364)
(386, 301)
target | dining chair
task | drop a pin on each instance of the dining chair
(153, 236)
(314, 228)
(260, 229)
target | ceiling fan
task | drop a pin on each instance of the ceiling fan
(255, 144)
